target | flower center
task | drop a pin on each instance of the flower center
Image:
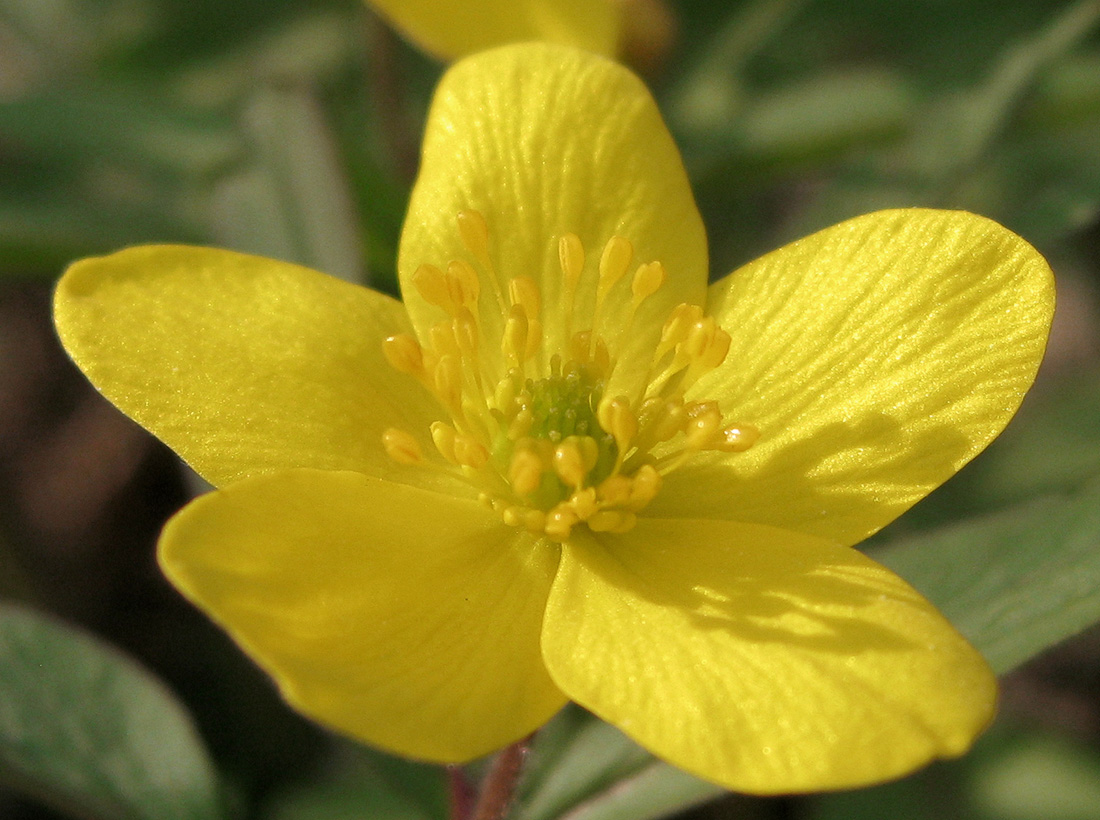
(531, 426)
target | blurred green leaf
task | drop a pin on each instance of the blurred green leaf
(292, 200)
(575, 758)
(119, 125)
(86, 730)
(362, 783)
(1016, 582)
(1012, 773)
(1038, 776)
(1053, 444)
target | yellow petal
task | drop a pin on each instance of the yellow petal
(242, 365)
(454, 28)
(415, 632)
(543, 141)
(762, 660)
(876, 357)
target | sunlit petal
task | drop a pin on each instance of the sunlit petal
(453, 28)
(876, 357)
(243, 365)
(544, 141)
(401, 617)
(759, 659)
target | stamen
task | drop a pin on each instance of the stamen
(464, 284)
(524, 292)
(404, 354)
(737, 438)
(431, 283)
(448, 384)
(469, 452)
(617, 254)
(513, 342)
(525, 471)
(443, 436)
(571, 259)
(574, 458)
(401, 446)
(474, 232)
(647, 281)
(616, 417)
(532, 429)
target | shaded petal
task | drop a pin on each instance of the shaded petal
(542, 141)
(413, 630)
(243, 365)
(453, 28)
(762, 660)
(876, 357)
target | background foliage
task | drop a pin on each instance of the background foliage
(290, 128)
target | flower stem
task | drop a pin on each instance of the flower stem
(461, 793)
(499, 787)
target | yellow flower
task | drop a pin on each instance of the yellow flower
(455, 28)
(565, 467)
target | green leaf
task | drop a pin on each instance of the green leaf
(1016, 582)
(86, 730)
(585, 769)
(292, 200)
(362, 783)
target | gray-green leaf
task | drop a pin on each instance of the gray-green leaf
(86, 730)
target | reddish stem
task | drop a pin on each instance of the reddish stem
(461, 793)
(498, 789)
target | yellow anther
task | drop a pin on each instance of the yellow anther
(469, 452)
(700, 337)
(616, 418)
(523, 291)
(534, 338)
(443, 436)
(716, 350)
(662, 418)
(525, 471)
(448, 383)
(737, 438)
(574, 458)
(615, 490)
(559, 522)
(514, 516)
(617, 254)
(612, 521)
(521, 424)
(401, 446)
(513, 342)
(475, 235)
(583, 503)
(571, 257)
(464, 328)
(431, 283)
(504, 397)
(645, 486)
(704, 425)
(442, 339)
(403, 353)
(647, 281)
(463, 284)
(534, 520)
(676, 328)
(601, 357)
(580, 346)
